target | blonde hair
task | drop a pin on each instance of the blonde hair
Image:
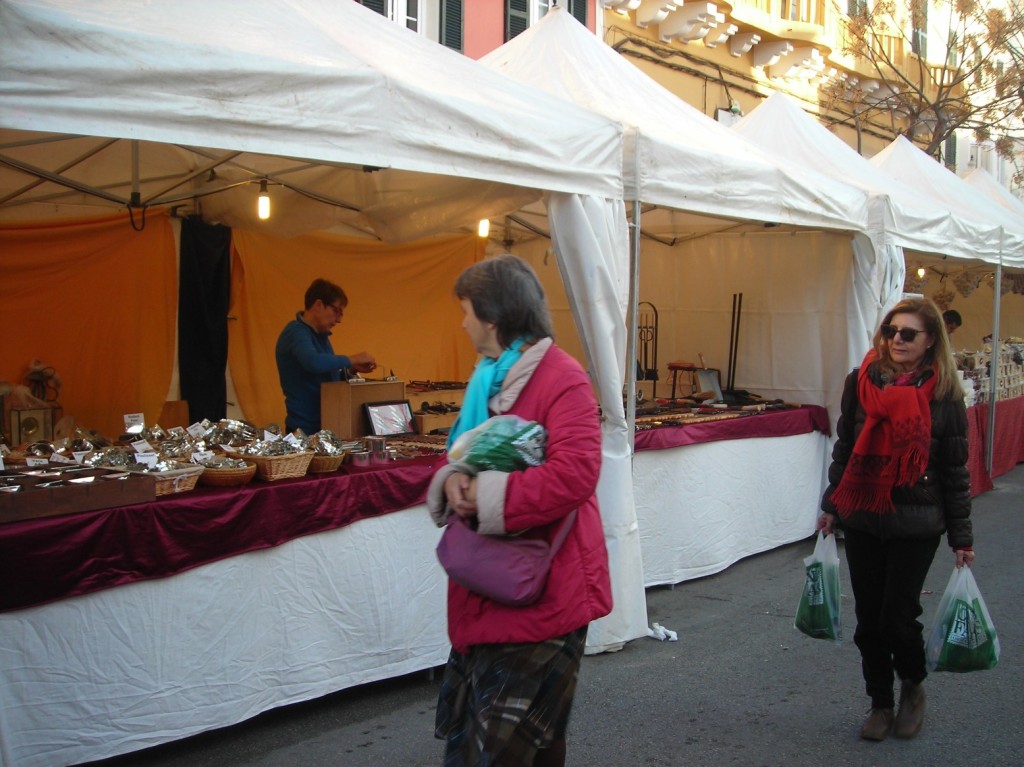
(947, 383)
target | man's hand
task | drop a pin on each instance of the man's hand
(363, 362)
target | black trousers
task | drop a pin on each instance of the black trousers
(887, 577)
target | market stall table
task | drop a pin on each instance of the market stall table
(1007, 448)
(158, 621)
(709, 494)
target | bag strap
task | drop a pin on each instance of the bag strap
(562, 534)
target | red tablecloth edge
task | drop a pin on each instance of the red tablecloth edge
(52, 558)
(1008, 445)
(771, 423)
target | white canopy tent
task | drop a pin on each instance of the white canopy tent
(986, 183)
(713, 207)
(898, 214)
(996, 235)
(358, 125)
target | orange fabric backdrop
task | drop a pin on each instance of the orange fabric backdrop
(401, 307)
(97, 301)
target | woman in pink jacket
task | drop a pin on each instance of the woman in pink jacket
(509, 683)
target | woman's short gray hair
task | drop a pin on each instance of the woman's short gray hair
(505, 290)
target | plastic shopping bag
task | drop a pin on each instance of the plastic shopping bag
(502, 442)
(963, 637)
(818, 613)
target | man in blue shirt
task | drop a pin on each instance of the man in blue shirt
(305, 358)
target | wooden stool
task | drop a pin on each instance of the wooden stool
(675, 368)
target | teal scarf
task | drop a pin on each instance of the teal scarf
(484, 384)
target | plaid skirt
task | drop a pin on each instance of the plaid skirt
(500, 703)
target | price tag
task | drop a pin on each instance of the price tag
(228, 449)
(201, 456)
(80, 455)
(58, 458)
(291, 439)
(36, 461)
(142, 446)
(147, 459)
(196, 430)
(271, 437)
(1, 461)
(134, 423)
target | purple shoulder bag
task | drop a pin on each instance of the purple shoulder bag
(507, 569)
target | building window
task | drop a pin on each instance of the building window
(520, 14)
(856, 8)
(919, 25)
(949, 151)
(578, 8)
(450, 32)
(405, 12)
(806, 11)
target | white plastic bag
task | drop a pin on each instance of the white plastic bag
(818, 613)
(963, 636)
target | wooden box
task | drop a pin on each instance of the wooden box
(72, 495)
(341, 404)
(427, 422)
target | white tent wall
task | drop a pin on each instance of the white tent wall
(802, 327)
(589, 239)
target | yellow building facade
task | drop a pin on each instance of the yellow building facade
(725, 57)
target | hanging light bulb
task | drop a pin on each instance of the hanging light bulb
(921, 272)
(484, 227)
(263, 204)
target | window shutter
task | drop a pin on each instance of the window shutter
(949, 155)
(578, 8)
(517, 17)
(378, 6)
(450, 34)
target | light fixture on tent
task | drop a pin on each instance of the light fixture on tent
(921, 272)
(263, 203)
(484, 227)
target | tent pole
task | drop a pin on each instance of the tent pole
(993, 363)
(632, 319)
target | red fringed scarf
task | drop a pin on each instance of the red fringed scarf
(892, 448)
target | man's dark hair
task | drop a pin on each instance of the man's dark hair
(952, 316)
(326, 292)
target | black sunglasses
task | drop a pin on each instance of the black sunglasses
(907, 334)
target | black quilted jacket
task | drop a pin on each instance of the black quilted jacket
(941, 499)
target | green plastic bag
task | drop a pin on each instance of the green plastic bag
(818, 612)
(502, 443)
(963, 636)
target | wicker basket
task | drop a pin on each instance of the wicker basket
(324, 464)
(272, 467)
(177, 480)
(217, 477)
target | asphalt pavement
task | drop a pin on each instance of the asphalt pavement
(740, 686)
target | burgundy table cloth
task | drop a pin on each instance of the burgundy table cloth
(771, 423)
(51, 558)
(1007, 447)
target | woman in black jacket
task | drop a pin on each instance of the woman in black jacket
(898, 480)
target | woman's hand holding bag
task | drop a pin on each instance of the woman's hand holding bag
(818, 612)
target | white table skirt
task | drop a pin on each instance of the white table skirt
(703, 507)
(135, 666)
